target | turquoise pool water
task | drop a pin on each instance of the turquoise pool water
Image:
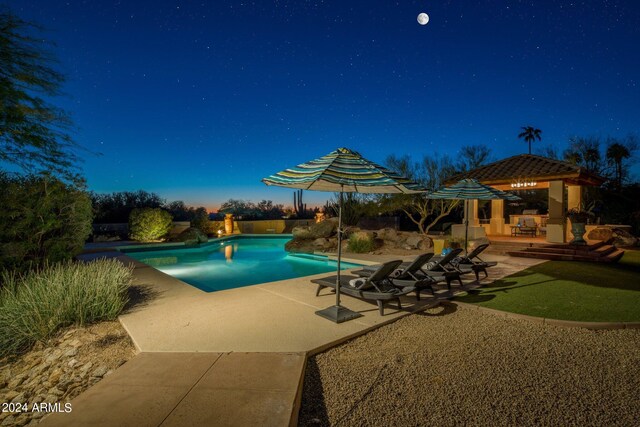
(233, 263)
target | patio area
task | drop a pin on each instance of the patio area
(173, 316)
(174, 322)
(563, 182)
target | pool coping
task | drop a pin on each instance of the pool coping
(321, 256)
(159, 246)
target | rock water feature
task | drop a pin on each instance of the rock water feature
(191, 236)
(59, 371)
(322, 237)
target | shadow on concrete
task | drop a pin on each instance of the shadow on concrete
(139, 296)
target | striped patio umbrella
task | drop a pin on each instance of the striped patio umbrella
(343, 171)
(470, 189)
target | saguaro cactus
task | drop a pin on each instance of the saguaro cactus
(299, 207)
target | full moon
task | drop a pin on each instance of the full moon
(423, 19)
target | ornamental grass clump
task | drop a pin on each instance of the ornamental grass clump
(34, 305)
(360, 243)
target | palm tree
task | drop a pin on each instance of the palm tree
(617, 152)
(530, 134)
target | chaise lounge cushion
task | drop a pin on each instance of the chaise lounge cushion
(360, 284)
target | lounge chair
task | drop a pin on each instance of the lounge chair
(424, 283)
(409, 275)
(376, 287)
(443, 267)
(404, 271)
(475, 263)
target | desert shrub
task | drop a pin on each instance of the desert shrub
(201, 221)
(149, 224)
(34, 305)
(360, 243)
(116, 207)
(42, 219)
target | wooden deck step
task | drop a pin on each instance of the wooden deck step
(564, 251)
(594, 252)
(605, 250)
(590, 246)
(613, 256)
(552, 256)
(579, 251)
(504, 247)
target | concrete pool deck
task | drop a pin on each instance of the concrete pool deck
(255, 335)
(272, 317)
(192, 389)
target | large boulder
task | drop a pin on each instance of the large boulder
(624, 238)
(620, 237)
(388, 234)
(412, 241)
(301, 232)
(600, 233)
(310, 246)
(324, 229)
(425, 243)
(324, 243)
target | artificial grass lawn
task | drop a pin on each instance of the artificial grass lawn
(569, 290)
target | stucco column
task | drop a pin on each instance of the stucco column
(557, 208)
(472, 212)
(497, 217)
(574, 196)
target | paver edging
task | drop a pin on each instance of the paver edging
(552, 322)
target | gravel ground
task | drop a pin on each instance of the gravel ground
(451, 366)
(61, 369)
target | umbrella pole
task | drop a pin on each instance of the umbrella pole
(466, 225)
(339, 247)
(337, 313)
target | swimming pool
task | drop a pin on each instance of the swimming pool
(235, 262)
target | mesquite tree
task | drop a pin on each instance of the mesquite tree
(431, 172)
(33, 133)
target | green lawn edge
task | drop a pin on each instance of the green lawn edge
(569, 290)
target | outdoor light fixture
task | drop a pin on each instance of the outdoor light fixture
(523, 183)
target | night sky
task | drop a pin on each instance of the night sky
(198, 101)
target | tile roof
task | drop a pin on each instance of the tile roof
(529, 166)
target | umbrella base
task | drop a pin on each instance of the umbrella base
(338, 314)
